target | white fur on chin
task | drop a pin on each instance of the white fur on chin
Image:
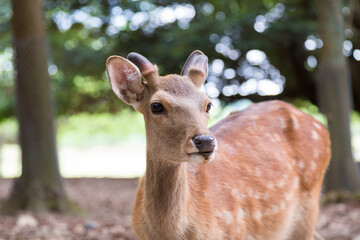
(197, 158)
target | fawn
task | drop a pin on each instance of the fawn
(255, 175)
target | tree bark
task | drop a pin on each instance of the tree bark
(335, 96)
(40, 186)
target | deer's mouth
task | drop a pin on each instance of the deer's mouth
(203, 154)
(202, 157)
(206, 154)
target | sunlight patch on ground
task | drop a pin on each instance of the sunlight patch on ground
(125, 161)
(10, 165)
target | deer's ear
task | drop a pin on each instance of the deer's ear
(196, 68)
(125, 80)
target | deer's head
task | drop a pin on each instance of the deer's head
(176, 112)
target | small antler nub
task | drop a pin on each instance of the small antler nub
(147, 69)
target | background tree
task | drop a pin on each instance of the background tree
(334, 88)
(39, 187)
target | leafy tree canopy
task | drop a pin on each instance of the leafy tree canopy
(257, 49)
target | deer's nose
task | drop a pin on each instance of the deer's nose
(205, 144)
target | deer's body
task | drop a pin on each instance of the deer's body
(263, 183)
(250, 190)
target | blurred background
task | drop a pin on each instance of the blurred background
(57, 106)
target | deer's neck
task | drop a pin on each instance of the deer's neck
(166, 196)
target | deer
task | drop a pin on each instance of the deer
(256, 174)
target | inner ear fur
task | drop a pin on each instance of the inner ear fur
(125, 80)
(196, 67)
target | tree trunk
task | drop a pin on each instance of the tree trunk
(40, 186)
(335, 96)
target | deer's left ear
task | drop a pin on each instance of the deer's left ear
(196, 68)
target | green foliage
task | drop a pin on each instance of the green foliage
(307, 107)
(100, 129)
(83, 33)
(8, 131)
(355, 132)
(6, 67)
(84, 129)
(222, 111)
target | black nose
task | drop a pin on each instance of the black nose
(205, 144)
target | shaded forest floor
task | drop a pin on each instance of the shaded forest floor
(108, 204)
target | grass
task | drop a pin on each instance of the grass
(84, 129)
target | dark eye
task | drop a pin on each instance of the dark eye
(208, 107)
(157, 108)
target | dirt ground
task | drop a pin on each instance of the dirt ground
(108, 204)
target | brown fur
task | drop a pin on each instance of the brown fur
(204, 191)
(264, 182)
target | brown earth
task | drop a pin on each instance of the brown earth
(108, 204)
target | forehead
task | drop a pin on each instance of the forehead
(180, 86)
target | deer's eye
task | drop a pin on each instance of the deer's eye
(208, 107)
(157, 108)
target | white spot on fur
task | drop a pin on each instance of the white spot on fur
(257, 172)
(270, 186)
(237, 194)
(301, 164)
(312, 165)
(257, 195)
(282, 205)
(234, 192)
(274, 209)
(289, 165)
(250, 237)
(306, 195)
(282, 123)
(316, 153)
(240, 215)
(314, 135)
(220, 233)
(267, 212)
(281, 183)
(265, 196)
(318, 126)
(296, 182)
(295, 122)
(297, 112)
(231, 150)
(288, 196)
(277, 137)
(247, 213)
(227, 217)
(257, 215)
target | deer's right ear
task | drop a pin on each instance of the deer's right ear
(125, 80)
